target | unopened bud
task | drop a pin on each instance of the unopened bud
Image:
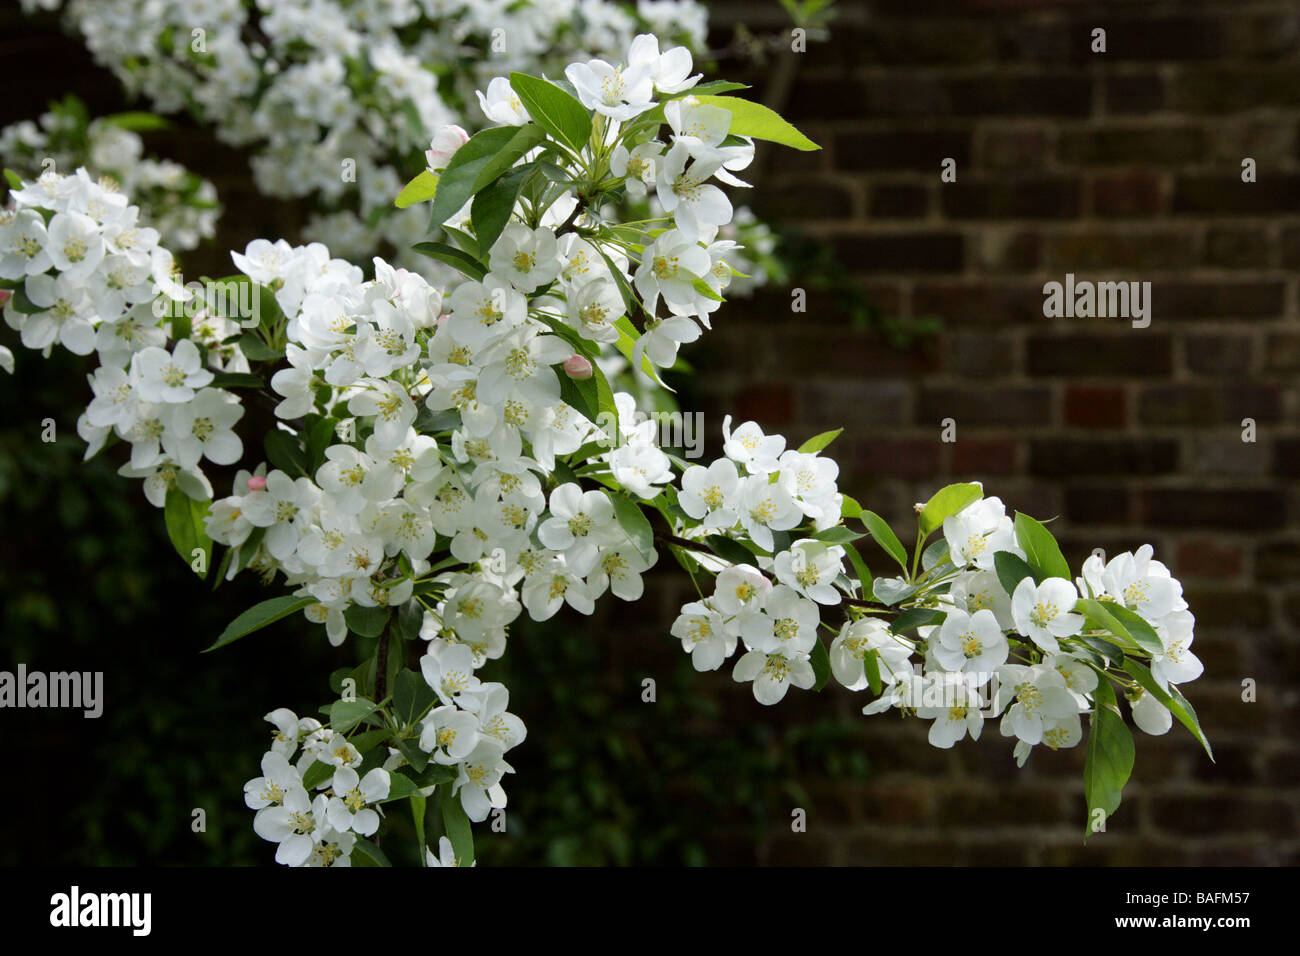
(257, 483)
(5, 296)
(444, 146)
(577, 367)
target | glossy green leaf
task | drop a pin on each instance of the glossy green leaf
(553, 109)
(493, 206)
(947, 501)
(456, 184)
(1041, 550)
(885, 536)
(528, 137)
(1173, 700)
(184, 518)
(346, 714)
(1011, 570)
(420, 189)
(1109, 757)
(632, 520)
(821, 665)
(365, 853)
(259, 616)
(412, 696)
(458, 259)
(754, 119)
(818, 442)
(458, 830)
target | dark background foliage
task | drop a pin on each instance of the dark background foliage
(1119, 166)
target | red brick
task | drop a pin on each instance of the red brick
(1209, 557)
(772, 404)
(975, 457)
(1096, 406)
(1127, 194)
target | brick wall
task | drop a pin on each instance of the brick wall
(1124, 165)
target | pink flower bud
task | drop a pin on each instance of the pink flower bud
(444, 146)
(256, 484)
(5, 296)
(577, 367)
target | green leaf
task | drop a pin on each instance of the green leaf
(729, 549)
(456, 185)
(236, 380)
(914, 617)
(412, 695)
(493, 206)
(860, 568)
(1041, 549)
(320, 436)
(317, 774)
(934, 555)
(760, 122)
(410, 749)
(420, 189)
(259, 616)
(885, 537)
(712, 86)
(284, 451)
(458, 259)
(223, 567)
(850, 508)
(1121, 622)
(410, 618)
(346, 714)
(947, 501)
(434, 775)
(400, 787)
(255, 350)
(1011, 569)
(890, 591)
(366, 621)
(419, 806)
(1109, 758)
(818, 442)
(365, 853)
(1108, 649)
(821, 665)
(22, 303)
(633, 520)
(1173, 699)
(458, 829)
(837, 535)
(871, 664)
(582, 396)
(137, 121)
(184, 518)
(13, 179)
(1142, 633)
(556, 111)
(525, 139)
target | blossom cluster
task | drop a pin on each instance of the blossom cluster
(317, 84)
(181, 205)
(441, 459)
(982, 648)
